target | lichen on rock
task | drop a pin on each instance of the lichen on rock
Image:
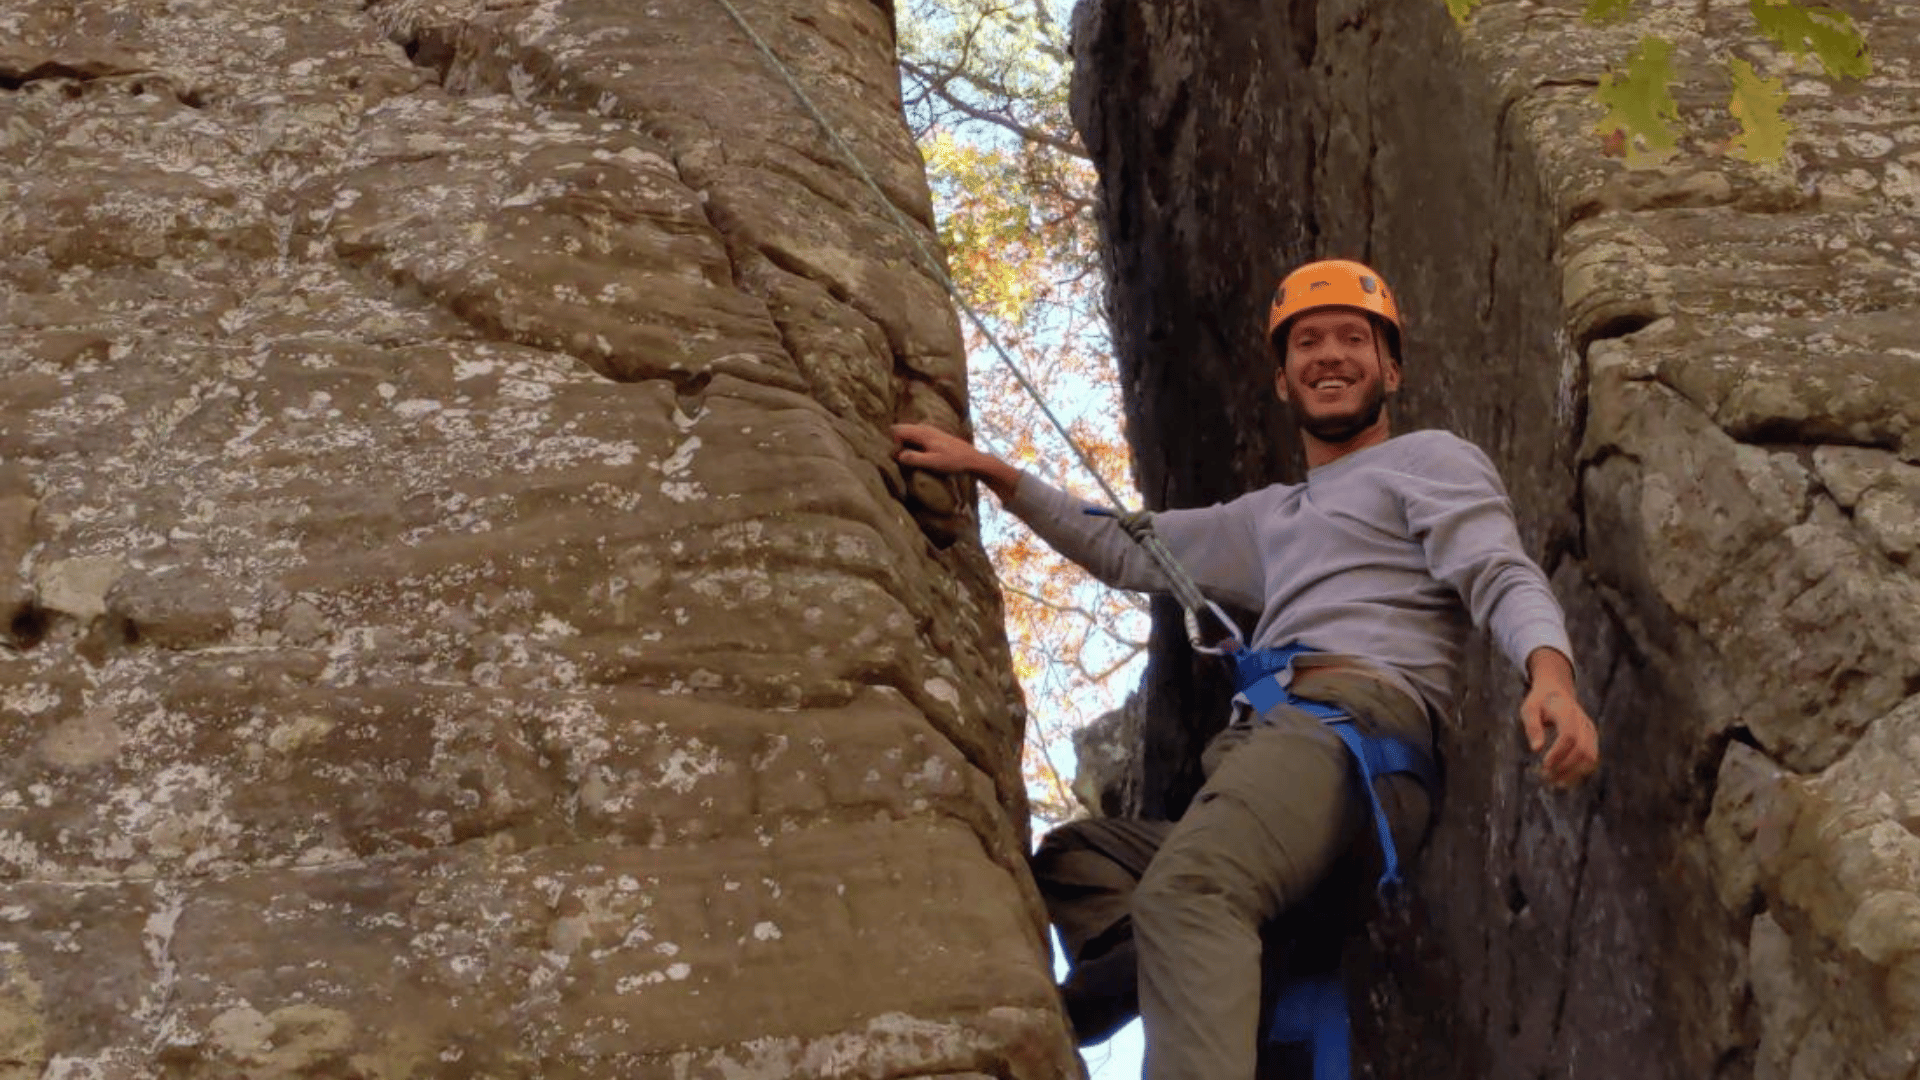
(462, 616)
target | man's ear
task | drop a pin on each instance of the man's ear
(1389, 363)
(1280, 382)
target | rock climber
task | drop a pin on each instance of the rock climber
(1366, 577)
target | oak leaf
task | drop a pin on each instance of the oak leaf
(1757, 105)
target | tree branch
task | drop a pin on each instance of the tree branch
(1073, 609)
(1059, 794)
(1051, 34)
(935, 83)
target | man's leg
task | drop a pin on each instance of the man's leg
(1381, 710)
(1275, 814)
(1087, 871)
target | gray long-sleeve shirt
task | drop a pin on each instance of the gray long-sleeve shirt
(1384, 556)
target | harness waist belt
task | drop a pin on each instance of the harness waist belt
(1256, 676)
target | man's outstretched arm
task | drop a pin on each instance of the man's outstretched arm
(1551, 703)
(926, 447)
(1097, 544)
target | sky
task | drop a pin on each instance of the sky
(1119, 1057)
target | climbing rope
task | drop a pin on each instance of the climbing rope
(926, 253)
(1137, 524)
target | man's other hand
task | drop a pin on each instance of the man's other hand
(1551, 705)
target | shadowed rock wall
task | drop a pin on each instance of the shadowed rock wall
(1701, 385)
(461, 616)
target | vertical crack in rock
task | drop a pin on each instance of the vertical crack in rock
(1369, 174)
(1576, 911)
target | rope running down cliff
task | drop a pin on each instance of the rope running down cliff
(1180, 583)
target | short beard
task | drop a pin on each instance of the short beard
(1336, 430)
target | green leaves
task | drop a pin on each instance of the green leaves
(1642, 121)
(1823, 33)
(1641, 111)
(1756, 105)
(1826, 35)
(1600, 11)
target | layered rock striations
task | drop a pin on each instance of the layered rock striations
(461, 615)
(1701, 383)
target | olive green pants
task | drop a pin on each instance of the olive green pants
(1185, 903)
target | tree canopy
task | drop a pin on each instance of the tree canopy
(985, 86)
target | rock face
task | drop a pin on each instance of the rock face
(461, 615)
(1107, 772)
(1701, 384)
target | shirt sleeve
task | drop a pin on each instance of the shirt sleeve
(1214, 544)
(1459, 512)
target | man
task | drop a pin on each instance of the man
(1375, 566)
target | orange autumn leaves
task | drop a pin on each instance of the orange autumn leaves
(984, 84)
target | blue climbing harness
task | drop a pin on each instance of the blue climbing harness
(1256, 677)
(1312, 1009)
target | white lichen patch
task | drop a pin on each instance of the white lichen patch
(735, 585)
(942, 691)
(687, 765)
(157, 941)
(468, 368)
(298, 733)
(933, 775)
(79, 586)
(241, 1031)
(526, 390)
(892, 1043)
(22, 856)
(1867, 144)
(179, 813)
(677, 463)
(627, 984)
(29, 699)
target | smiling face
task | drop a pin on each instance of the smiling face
(1336, 375)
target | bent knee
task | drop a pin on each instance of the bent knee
(1175, 896)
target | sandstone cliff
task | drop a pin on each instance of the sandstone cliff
(1702, 385)
(461, 616)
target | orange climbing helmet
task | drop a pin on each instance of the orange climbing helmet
(1334, 283)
